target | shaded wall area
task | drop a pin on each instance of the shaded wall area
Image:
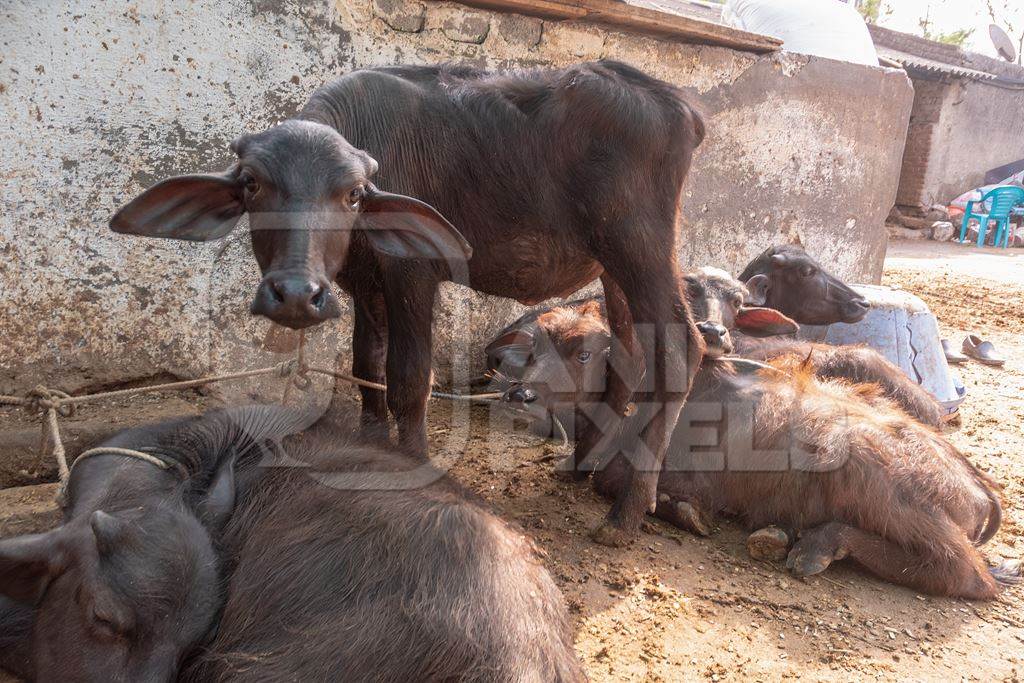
(101, 104)
(967, 117)
(981, 126)
(959, 129)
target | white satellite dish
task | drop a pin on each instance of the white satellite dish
(1004, 46)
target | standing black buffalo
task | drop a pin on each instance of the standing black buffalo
(553, 178)
(256, 555)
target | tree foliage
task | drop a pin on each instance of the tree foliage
(873, 10)
(958, 37)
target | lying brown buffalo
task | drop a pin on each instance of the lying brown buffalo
(261, 556)
(835, 461)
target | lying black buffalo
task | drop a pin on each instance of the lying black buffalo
(550, 179)
(789, 280)
(784, 278)
(259, 557)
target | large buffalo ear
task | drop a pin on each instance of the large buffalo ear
(219, 503)
(404, 227)
(764, 322)
(512, 349)
(28, 563)
(519, 338)
(189, 207)
(757, 290)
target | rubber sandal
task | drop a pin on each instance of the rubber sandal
(953, 357)
(981, 351)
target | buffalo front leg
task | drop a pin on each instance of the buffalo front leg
(625, 368)
(952, 566)
(672, 350)
(369, 352)
(410, 312)
(369, 349)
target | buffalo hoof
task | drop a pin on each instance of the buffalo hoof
(610, 535)
(815, 552)
(1009, 572)
(685, 515)
(770, 543)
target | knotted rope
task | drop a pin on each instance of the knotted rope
(52, 404)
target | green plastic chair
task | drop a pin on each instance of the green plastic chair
(999, 201)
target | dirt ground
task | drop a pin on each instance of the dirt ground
(674, 607)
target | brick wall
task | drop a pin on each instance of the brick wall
(959, 127)
(929, 97)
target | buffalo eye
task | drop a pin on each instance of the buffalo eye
(251, 185)
(354, 196)
(808, 271)
(105, 625)
(583, 356)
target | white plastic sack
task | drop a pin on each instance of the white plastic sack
(826, 28)
(978, 192)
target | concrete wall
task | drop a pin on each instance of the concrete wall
(100, 100)
(959, 127)
(979, 126)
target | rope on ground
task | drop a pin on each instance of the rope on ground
(51, 403)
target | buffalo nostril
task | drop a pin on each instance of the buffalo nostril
(520, 395)
(275, 292)
(855, 310)
(710, 329)
(319, 296)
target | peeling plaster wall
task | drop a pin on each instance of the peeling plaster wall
(101, 102)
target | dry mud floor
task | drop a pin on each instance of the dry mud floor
(674, 607)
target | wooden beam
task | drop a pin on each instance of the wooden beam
(623, 16)
(545, 9)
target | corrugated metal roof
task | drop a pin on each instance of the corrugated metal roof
(910, 61)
